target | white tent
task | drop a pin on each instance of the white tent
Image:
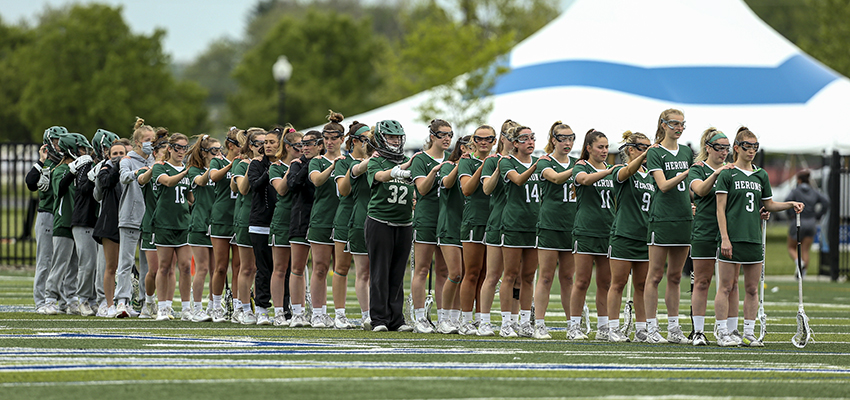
(614, 65)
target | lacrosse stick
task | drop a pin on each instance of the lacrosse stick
(227, 298)
(134, 294)
(585, 316)
(691, 335)
(409, 315)
(762, 317)
(429, 300)
(627, 310)
(804, 331)
(308, 299)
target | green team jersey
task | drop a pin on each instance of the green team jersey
(63, 206)
(745, 190)
(150, 203)
(390, 202)
(497, 197)
(325, 199)
(427, 205)
(346, 203)
(225, 199)
(204, 198)
(705, 220)
(172, 209)
(451, 205)
(594, 205)
(557, 202)
(283, 207)
(675, 205)
(633, 199)
(242, 211)
(45, 198)
(476, 209)
(522, 203)
(360, 197)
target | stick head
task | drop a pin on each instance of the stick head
(804, 331)
(762, 318)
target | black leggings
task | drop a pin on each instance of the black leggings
(262, 281)
(389, 249)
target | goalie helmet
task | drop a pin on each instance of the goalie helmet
(102, 142)
(390, 151)
(54, 132)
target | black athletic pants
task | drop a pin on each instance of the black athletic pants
(389, 249)
(263, 279)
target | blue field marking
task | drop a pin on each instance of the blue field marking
(795, 81)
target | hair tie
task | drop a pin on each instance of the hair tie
(718, 135)
(205, 137)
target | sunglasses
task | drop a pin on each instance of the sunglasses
(673, 124)
(180, 147)
(718, 147)
(309, 142)
(563, 138)
(521, 139)
(484, 139)
(442, 135)
(748, 145)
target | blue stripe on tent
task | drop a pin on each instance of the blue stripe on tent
(794, 82)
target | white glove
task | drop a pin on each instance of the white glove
(79, 162)
(44, 180)
(94, 171)
(397, 172)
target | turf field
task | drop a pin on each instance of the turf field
(66, 357)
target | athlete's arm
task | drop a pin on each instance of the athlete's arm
(520, 179)
(220, 173)
(468, 184)
(664, 184)
(632, 167)
(424, 184)
(203, 179)
(703, 187)
(173, 180)
(489, 183)
(343, 184)
(777, 206)
(450, 179)
(725, 244)
(319, 178)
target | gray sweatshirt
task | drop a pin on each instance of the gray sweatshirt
(131, 210)
(809, 196)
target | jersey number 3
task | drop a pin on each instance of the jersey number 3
(399, 195)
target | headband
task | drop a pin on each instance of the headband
(234, 141)
(361, 130)
(718, 135)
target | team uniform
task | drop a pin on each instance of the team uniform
(62, 280)
(302, 190)
(705, 239)
(594, 213)
(633, 200)
(346, 203)
(147, 219)
(201, 209)
(221, 215)
(279, 228)
(325, 202)
(171, 228)
(522, 204)
(492, 231)
(451, 209)
(744, 190)
(43, 229)
(670, 214)
(242, 211)
(476, 205)
(557, 208)
(427, 205)
(360, 193)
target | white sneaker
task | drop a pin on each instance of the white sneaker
(341, 322)
(187, 314)
(101, 310)
(725, 340)
(121, 311)
(750, 340)
(299, 321)
(380, 328)
(525, 329)
(132, 312)
(73, 308)
(367, 324)
(218, 315)
(652, 336)
(541, 332)
(423, 326)
(641, 335)
(170, 312)
(237, 316)
(51, 309)
(263, 319)
(280, 320)
(675, 335)
(485, 330)
(318, 322)
(162, 314)
(615, 336)
(201, 315)
(467, 328)
(507, 330)
(699, 339)
(446, 327)
(112, 312)
(40, 310)
(85, 310)
(574, 333)
(603, 333)
(736, 336)
(405, 328)
(248, 318)
(148, 310)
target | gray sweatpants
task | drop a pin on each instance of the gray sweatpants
(87, 255)
(130, 241)
(43, 255)
(62, 281)
(98, 279)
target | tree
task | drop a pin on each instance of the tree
(212, 70)
(12, 39)
(85, 70)
(830, 40)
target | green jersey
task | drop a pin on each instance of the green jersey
(633, 199)
(150, 203)
(451, 205)
(63, 206)
(242, 211)
(346, 203)
(283, 206)
(225, 199)
(675, 205)
(497, 197)
(427, 205)
(204, 198)
(172, 209)
(45, 198)
(522, 202)
(390, 202)
(745, 190)
(325, 199)
(557, 202)
(360, 198)
(476, 209)
(594, 205)
(705, 220)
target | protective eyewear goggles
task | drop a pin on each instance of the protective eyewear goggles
(525, 137)
(748, 145)
(335, 135)
(213, 150)
(563, 138)
(180, 147)
(258, 143)
(718, 147)
(673, 123)
(310, 142)
(442, 135)
(484, 139)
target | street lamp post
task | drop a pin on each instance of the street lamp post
(282, 71)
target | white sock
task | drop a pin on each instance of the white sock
(418, 313)
(162, 305)
(467, 316)
(365, 314)
(150, 299)
(261, 310)
(732, 324)
(640, 326)
(485, 318)
(339, 312)
(440, 315)
(539, 322)
(454, 315)
(601, 322)
(278, 311)
(246, 307)
(699, 323)
(198, 306)
(237, 303)
(216, 302)
(169, 303)
(720, 326)
(477, 317)
(652, 323)
(122, 301)
(506, 316)
(672, 322)
(297, 309)
(614, 324)
(325, 309)
(749, 326)
(575, 321)
(524, 316)
(514, 318)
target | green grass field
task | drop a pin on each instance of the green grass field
(63, 357)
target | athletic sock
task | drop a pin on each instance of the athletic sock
(485, 318)
(185, 305)
(278, 311)
(454, 315)
(325, 309)
(477, 317)
(237, 303)
(197, 306)
(720, 326)
(297, 309)
(524, 316)
(749, 326)
(261, 310)
(467, 316)
(506, 317)
(614, 324)
(418, 313)
(575, 321)
(162, 305)
(122, 301)
(699, 323)
(216, 302)
(732, 324)
(514, 318)
(150, 299)
(640, 326)
(169, 303)
(339, 312)
(672, 322)
(246, 307)
(440, 315)
(652, 323)
(539, 322)
(601, 322)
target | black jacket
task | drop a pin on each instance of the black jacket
(302, 190)
(107, 223)
(263, 195)
(85, 207)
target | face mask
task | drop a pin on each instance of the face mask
(147, 148)
(116, 160)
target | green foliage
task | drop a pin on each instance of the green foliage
(12, 39)
(85, 70)
(333, 59)
(830, 39)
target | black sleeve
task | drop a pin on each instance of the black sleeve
(83, 182)
(108, 177)
(824, 202)
(258, 175)
(32, 177)
(297, 177)
(65, 183)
